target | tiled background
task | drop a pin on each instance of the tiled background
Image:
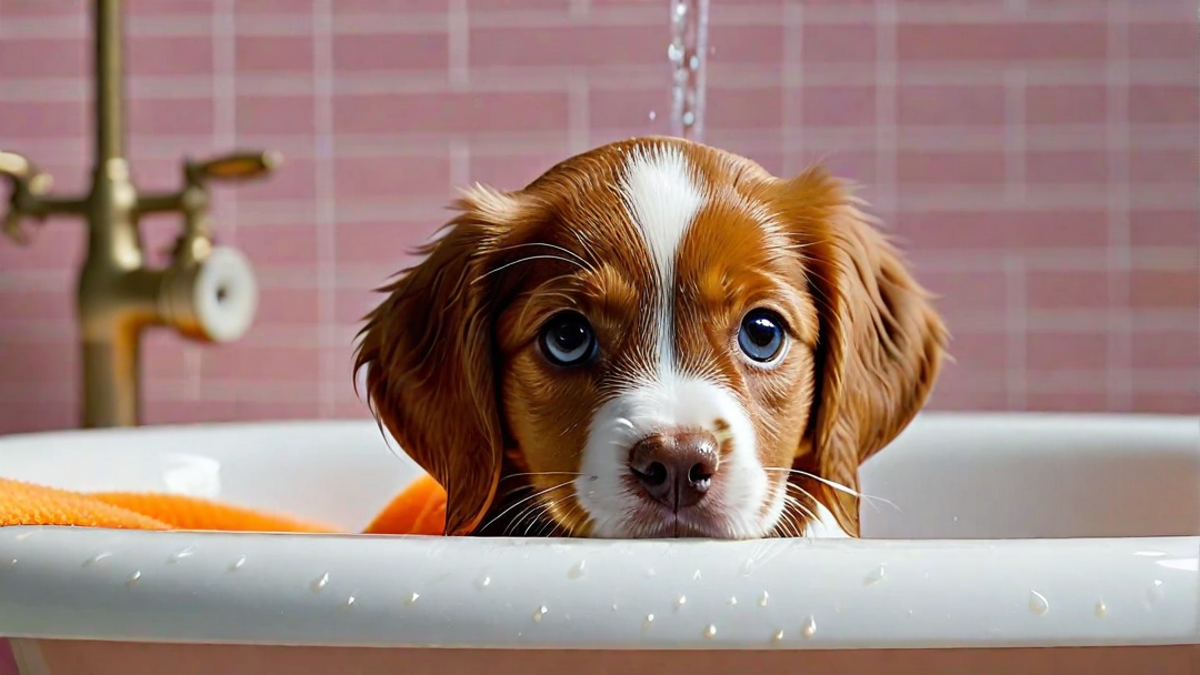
(1038, 158)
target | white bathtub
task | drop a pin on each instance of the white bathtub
(1010, 533)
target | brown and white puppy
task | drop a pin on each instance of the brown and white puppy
(655, 338)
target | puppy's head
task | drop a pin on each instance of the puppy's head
(654, 338)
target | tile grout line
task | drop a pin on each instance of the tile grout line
(553, 78)
(65, 150)
(1120, 347)
(326, 206)
(1016, 381)
(1016, 333)
(887, 128)
(224, 93)
(458, 44)
(460, 163)
(1015, 187)
(793, 80)
(185, 25)
(578, 117)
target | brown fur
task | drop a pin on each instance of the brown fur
(455, 373)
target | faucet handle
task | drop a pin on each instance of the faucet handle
(234, 166)
(27, 182)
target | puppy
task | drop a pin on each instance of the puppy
(655, 338)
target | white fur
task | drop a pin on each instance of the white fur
(663, 198)
(825, 526)
(662, 405)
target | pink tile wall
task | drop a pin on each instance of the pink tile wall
(1037, 159)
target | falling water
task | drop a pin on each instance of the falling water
(687, 54)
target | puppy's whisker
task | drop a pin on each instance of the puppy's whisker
(533, 511)
(527, 259)
(788, 525)
(795, 502)
(550, 522)
(804, 493)
(545, 473)
(556, 247)
(836, 486)
(523, 500)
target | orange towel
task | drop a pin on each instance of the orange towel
(418, 509)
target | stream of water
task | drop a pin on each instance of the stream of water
(687, 54)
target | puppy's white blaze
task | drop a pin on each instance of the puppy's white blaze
(663, 199)
(664, 405)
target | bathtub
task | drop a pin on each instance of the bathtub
(996, 542)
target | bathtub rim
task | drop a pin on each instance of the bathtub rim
(1184, 600)
(1181, 605)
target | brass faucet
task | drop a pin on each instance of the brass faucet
(205, 292)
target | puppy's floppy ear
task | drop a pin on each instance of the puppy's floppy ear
(881, 342)
(429, 357)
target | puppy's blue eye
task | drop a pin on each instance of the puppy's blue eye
(568, 340)
(761, 336)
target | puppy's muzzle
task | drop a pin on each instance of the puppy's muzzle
(675, 469)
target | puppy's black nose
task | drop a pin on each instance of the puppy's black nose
(675, 469)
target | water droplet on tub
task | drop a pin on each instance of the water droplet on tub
(653, 115)
(778, 636)
(412, 598)
(650, 572)
(22, 536)
(12, 563)
(484, 582)
(1101, 610)
(681, 601)
(96, 558)
(710, 632)
(1155, 592)
(876, 576)
(576, 572)
(680, 8)
(747, 567)
(809, 627)
(1038, 604)
(614, 607)
(696, 575)
(319, 583)
(733, 599)
(646, 623)
(694, 62)
(349, 602)
(133, 578)
(762, 601)
(181, 554)
(541, 611)
(237, 564)
(689, 118)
